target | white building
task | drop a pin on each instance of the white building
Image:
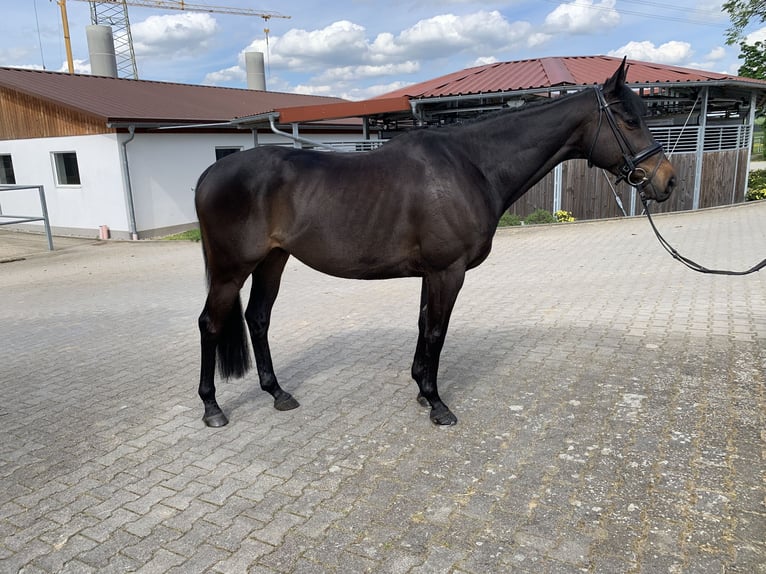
(110, 152)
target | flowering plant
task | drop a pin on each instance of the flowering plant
(563, 216)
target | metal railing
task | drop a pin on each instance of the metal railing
(673, 138)
(717, 138)
(27, 218)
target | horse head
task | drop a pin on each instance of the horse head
(622, 143)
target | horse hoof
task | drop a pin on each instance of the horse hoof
(422, 401)
(286, 402)
(216, 420)
(443, 417)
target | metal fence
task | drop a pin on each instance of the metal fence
(8, 219)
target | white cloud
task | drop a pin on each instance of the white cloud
(234, 74)
(582, 17)
(344, 52)
(714, 61)
(483, 61)
(672, 53)
(447, 34)
(538, 39)
(80, 66)
(716, 54)
(343, 44)
(173, 36)
(756, 36)
(350, 73)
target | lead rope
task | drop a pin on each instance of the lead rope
(688, 262)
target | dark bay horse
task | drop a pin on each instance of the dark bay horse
(427, 205)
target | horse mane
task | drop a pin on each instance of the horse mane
(633, 105)
(526, 106)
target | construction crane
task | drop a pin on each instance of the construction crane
(115, 14)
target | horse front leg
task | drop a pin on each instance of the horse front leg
(441, 290)
(263, 294)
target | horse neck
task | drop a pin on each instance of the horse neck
(516, 149)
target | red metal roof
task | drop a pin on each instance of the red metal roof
(552, 72)
(146, 101)
(542, 73)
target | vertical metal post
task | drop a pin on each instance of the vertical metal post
(558, 177)
(296, 135)
(44, 208)
(254, 131)
(750, 139)
(632, 201)
(702, 127)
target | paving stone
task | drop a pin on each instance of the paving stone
(611, 408)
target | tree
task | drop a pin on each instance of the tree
(754, 56)
(741, 12)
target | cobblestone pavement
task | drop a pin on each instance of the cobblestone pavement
(611, 408)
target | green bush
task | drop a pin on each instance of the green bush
(756, 185)
(540, 216)
(509, 219)
(756, 179)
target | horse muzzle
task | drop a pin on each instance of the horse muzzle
(656, 182)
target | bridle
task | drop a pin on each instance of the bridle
(629, 170)
(638, 178)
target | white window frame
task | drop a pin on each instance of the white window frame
(57, 159)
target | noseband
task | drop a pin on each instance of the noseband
(629, 170)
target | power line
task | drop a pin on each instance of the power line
(39, 38)
(662, 17)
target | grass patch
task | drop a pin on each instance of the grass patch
(191, 235)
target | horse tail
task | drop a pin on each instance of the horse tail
(232, 348)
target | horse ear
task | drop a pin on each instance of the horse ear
(617, 81)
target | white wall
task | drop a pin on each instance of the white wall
(78, 209)
(164, 168)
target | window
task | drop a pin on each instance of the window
(7, 177)
(221, 152)
(67, 171)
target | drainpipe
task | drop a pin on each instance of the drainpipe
(128, 186)
(415, 113)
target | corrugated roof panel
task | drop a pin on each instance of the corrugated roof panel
(552, 72)
(139, 100)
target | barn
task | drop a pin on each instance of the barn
(125, 154)
(704, 120)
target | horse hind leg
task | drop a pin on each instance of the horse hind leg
(419, 361)
(222, 334)
(265, 287)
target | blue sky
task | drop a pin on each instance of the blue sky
(361, 48)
